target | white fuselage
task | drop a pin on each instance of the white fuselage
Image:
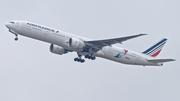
(60, 38)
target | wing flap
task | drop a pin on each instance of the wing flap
(161, 60)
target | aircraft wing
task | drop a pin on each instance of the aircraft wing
(161, 60)
(108, 42)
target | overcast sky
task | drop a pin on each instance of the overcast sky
(30, 72)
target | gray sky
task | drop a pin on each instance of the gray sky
(29, 72)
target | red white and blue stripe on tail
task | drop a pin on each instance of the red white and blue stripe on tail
(155, 49)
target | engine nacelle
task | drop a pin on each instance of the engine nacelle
(57, 49)
(76, 43)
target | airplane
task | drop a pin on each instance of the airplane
(63, 42)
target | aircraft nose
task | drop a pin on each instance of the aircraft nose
(7, 25)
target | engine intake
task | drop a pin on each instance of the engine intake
(57, 49)
(76, 43)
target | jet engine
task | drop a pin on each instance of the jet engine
(76, 43)
(57, 49)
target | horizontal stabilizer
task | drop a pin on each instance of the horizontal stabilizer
(161, 60)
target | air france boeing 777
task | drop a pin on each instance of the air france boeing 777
(63, 42)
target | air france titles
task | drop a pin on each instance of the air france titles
(41, 27)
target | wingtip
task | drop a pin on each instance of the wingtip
(173, 60)
(143, 34)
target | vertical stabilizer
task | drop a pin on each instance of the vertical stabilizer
(155, 49)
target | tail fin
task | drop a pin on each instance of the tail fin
(155, 49)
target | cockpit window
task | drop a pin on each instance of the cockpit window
(12, 22)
